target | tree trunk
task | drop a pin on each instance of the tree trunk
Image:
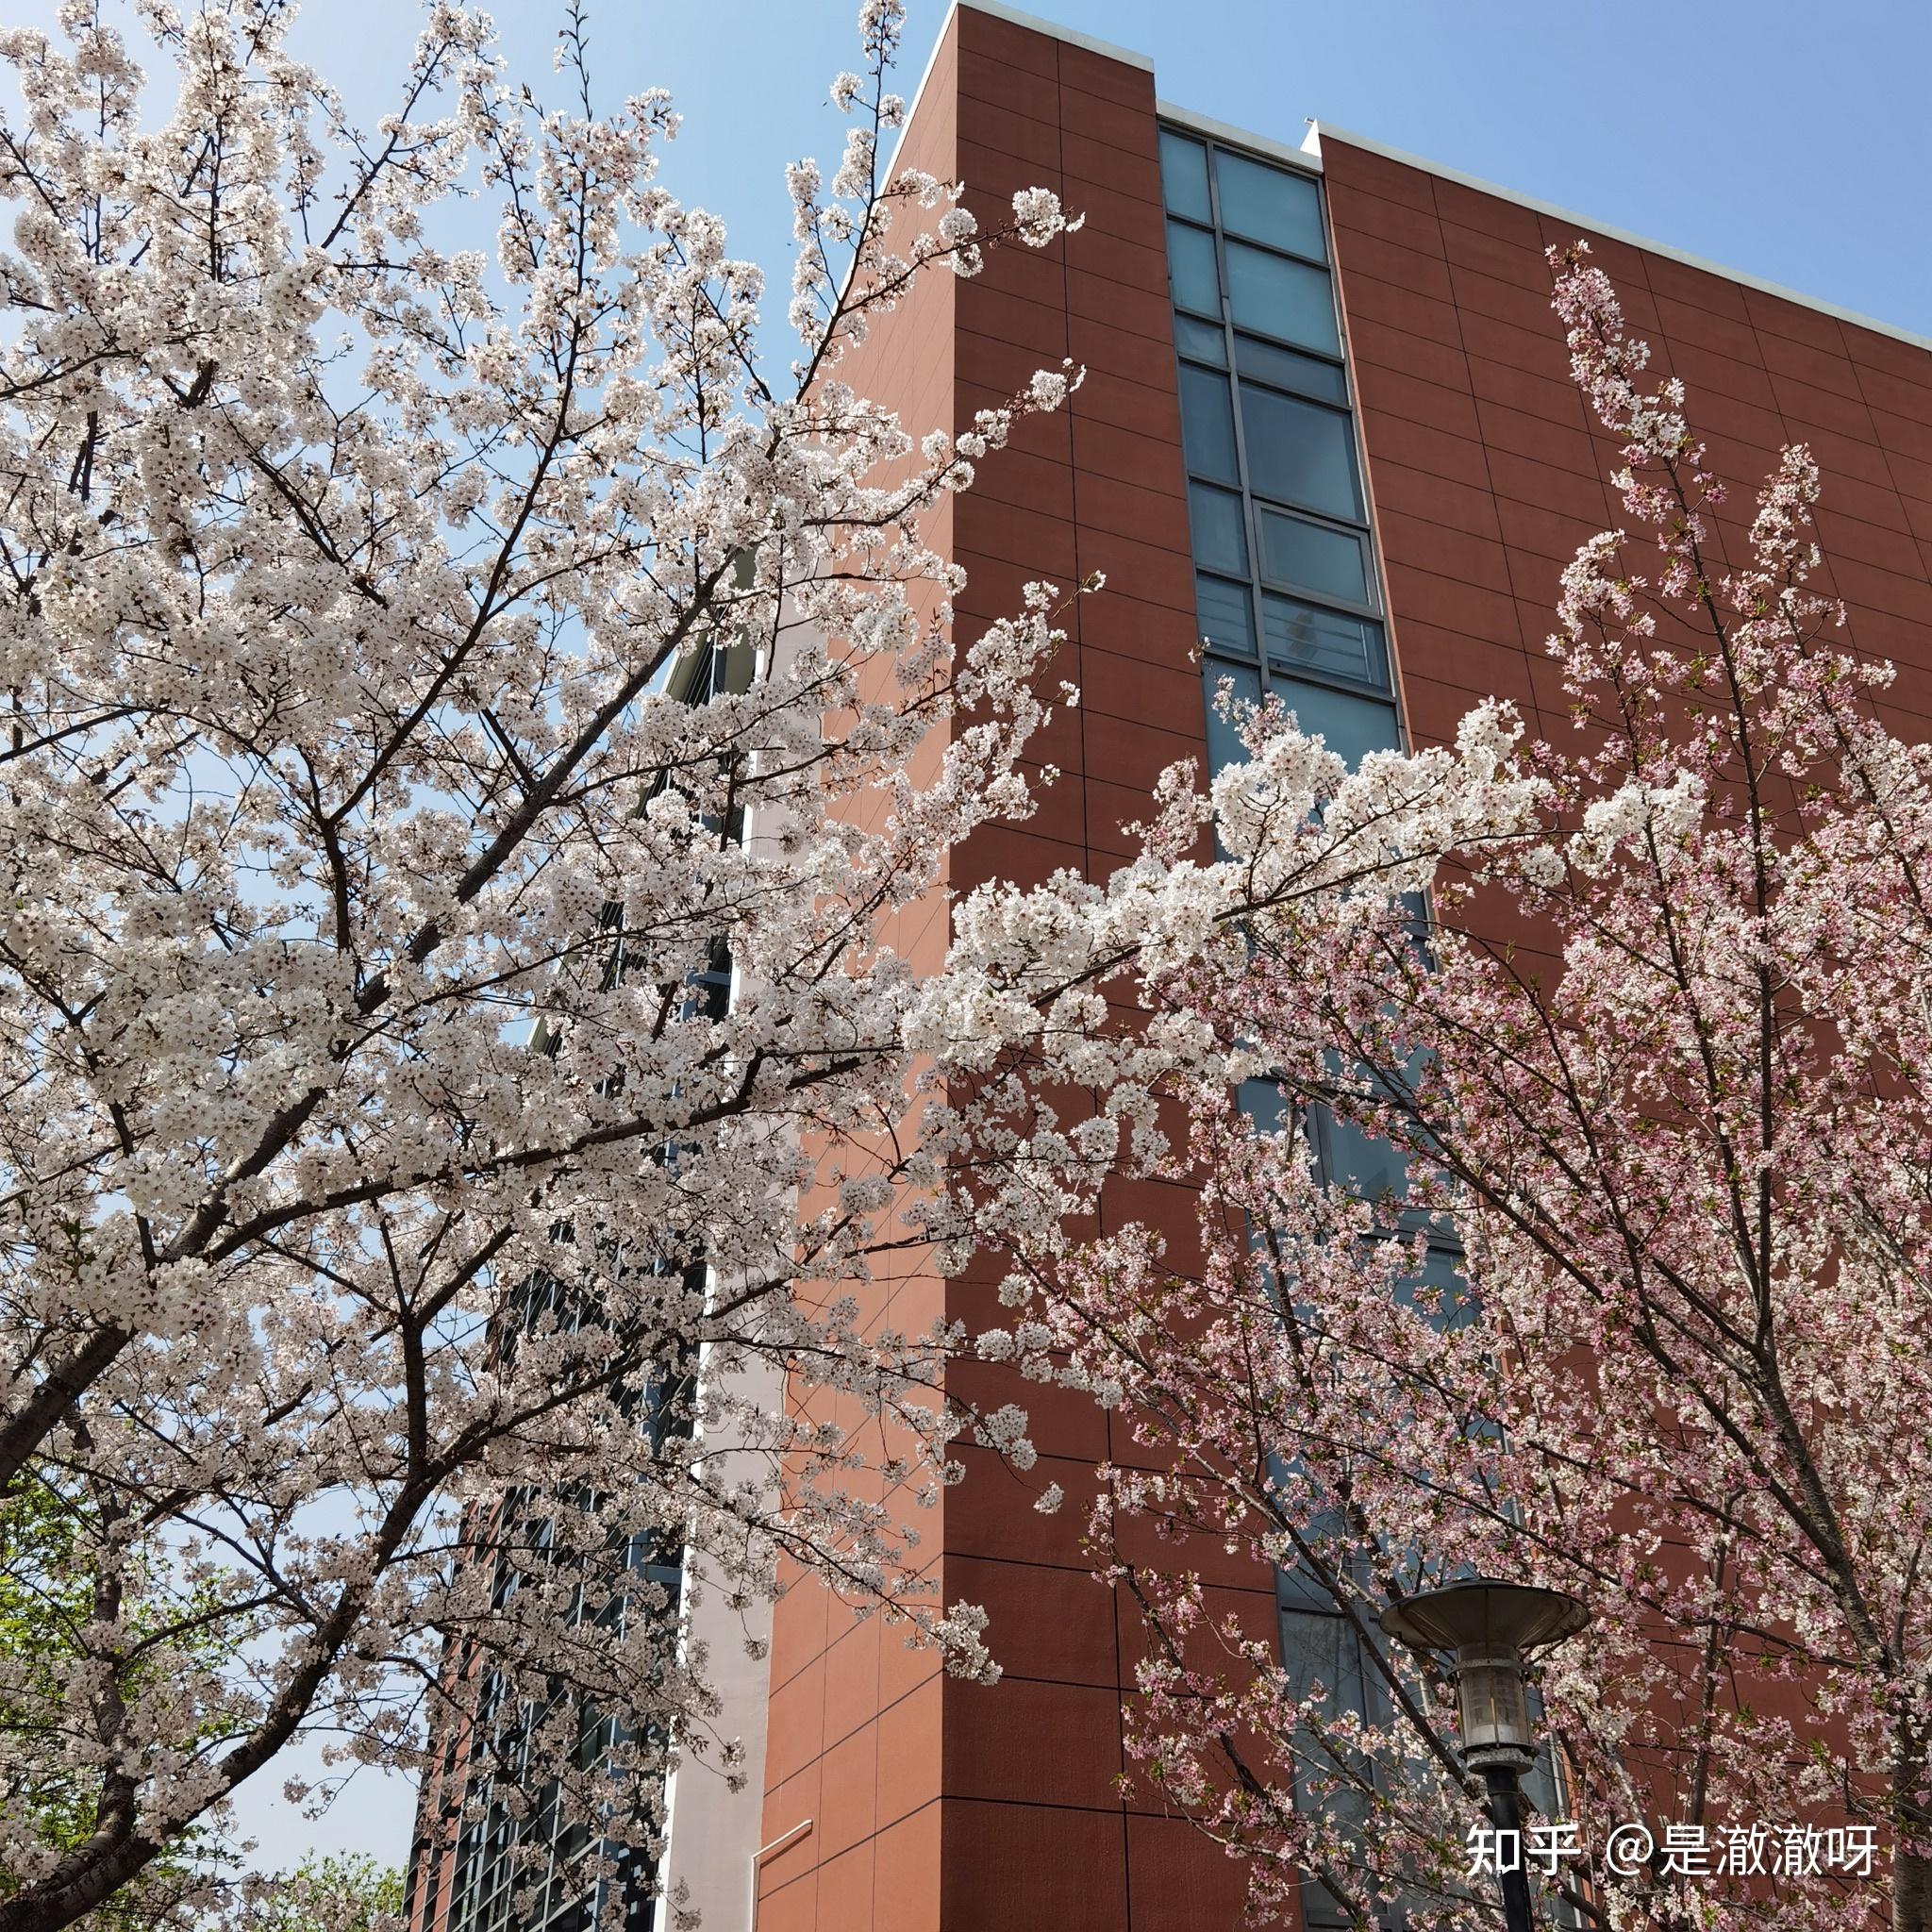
(1911, 1893)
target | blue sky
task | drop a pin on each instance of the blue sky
(1783, 137)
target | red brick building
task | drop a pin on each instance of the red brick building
(1327, 426)
(1437, 365)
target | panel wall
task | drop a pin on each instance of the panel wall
(1486, 472)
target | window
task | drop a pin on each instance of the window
(1287, 597)
(1216, 519)
(1314, 557)
(1190, 269)
(1269, 205)
(1304, 637)
(1308, 376)
(1300, 453)
(1208, 425)
(1275, 296)
(1184, 175)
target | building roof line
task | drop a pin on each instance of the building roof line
(1319, 130)
(1309, 157)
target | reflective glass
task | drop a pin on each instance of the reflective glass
(1289, 369)
(1298, 452)
(1208, 424)
(1221, 609)
(1350, 725)
(1184, 175)
(1332, 563)
(1190, 268)
(1201, 340)
(1215, 524)
(1368, 1168)
(1281, 297)
(1223, 747)
(1269, 204)
(1441, 1287)
(1264, 1103)
(1305, 637)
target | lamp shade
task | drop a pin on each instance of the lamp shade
(1489, 1626)
(1512, 1616)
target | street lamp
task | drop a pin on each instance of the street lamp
(1489, 1626)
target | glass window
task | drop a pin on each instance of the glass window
(1215, 524)
(1269, 204)
(1305, 637)
(1349, 725)
(1366, 1167)
(1440, 1289)
(1224, 747)
(1297, 451)
(1264, 1103)
(1222, 612)
(1184, 175)
(1190, 269)
(1289, 369)
(1202, 340)
(1332, 563)
(1208, 424)
(1281, 298)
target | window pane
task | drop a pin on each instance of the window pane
(1184, 175)
(1304, 637)
(1224, 747)
(1264, 1103)
(1298, 452)
(1281, 297)
(1442, 1289)
(1358, 1164)
(1289, 369)
(1201, 340)
(1190, 269)
(1269, 204)
(1214, 522)
(1332, 563)
(1208, 424)
(1221, 610)
(1350, 725)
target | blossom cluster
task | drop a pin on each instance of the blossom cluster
(459, 782)
(1595, 1260)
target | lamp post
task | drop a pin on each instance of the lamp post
(1489, 1626)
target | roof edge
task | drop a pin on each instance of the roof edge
(1327, 131)
(1308, 160)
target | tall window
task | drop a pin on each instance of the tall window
(1287, 601)
(1285, 586)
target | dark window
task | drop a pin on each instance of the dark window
(1184, 175)
(1190, 268)
(1330, 643)
(1350, 725)
(1269, 205)
(1289, 369)
(1215, 524)
(1201, 340)
(1224, 614)
(1299, 452)
(1208, 425)
(1279, 298)
(1312, 557)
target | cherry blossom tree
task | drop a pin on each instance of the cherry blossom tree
(1577, 1235)
(459, 694)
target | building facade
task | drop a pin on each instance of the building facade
(1327, 446)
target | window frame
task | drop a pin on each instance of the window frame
(1259, 581)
